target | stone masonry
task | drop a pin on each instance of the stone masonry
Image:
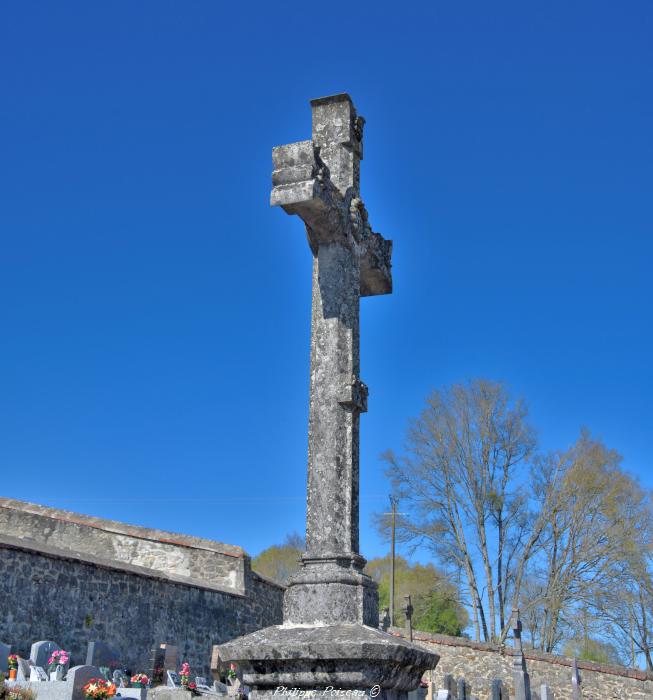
(479, 663)
(179, 555)
(83, 595)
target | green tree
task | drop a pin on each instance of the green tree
(434, 598)
(279, 562)
(590, 649)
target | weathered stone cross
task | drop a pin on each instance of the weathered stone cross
(319, 180)
(330, 636)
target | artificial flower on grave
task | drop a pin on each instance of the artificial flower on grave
(59, 657)
(184, 673)
(140, 679)
(12, 661)
(99, 689)
(233, 671)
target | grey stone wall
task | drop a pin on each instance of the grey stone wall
(480, 663)
(196, 558)
(48, 593)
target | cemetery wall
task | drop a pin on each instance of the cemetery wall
(74, 598)
(182, 555)
(480, 663)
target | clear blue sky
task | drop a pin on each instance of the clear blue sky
(155, 311)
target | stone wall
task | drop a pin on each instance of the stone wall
(196, 558)
(479, 663)
(75, 598)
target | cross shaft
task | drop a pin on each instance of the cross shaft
(318, 180)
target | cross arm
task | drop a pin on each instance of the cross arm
(301, 185)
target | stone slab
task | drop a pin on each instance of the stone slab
(52, 690)
(135, 693)
(162, 692)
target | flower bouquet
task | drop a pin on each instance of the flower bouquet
(232, 672)
(56, 663)
(184, 674)
(99, 689)
(139, 680)
(12, 666)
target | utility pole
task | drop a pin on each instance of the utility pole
(393, 504)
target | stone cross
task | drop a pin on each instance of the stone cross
(408, 612)
(576, 693)
(319, 181)
(330, 636)
(519, 672)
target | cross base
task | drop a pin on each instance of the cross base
(346, 657)
(326, 591)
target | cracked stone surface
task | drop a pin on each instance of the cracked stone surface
(329, 634)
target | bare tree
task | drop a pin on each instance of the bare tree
(464, 479)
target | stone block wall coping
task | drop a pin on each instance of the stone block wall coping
(27, 545)
(113, 526)
(529, 654)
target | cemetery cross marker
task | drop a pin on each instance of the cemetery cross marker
(330, 635)
(319, 180)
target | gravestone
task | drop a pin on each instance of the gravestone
(330, 634)
(385, 620)
(450, 685)
(120, 678)
(443, 694)
(133, 693)
(462, 689)
(201, 683)
(78, 677)
(173, 679)
(5, 650)
(497, 691)
(41, 652)
(219, 687)
(102, 655)
(38, 674)
(170, 656)
(24, 670)
(546, 693)
(418, 694)
(576, 693)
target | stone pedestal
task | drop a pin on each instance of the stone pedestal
(284, 660)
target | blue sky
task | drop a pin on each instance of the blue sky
(155, 311)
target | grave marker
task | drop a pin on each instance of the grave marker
(173, 679)
(102, 655)
(38, 674)
(24, 670)
(78, 677)
(5, 650)
(120, 678)
(41, 652)
(546, 693)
